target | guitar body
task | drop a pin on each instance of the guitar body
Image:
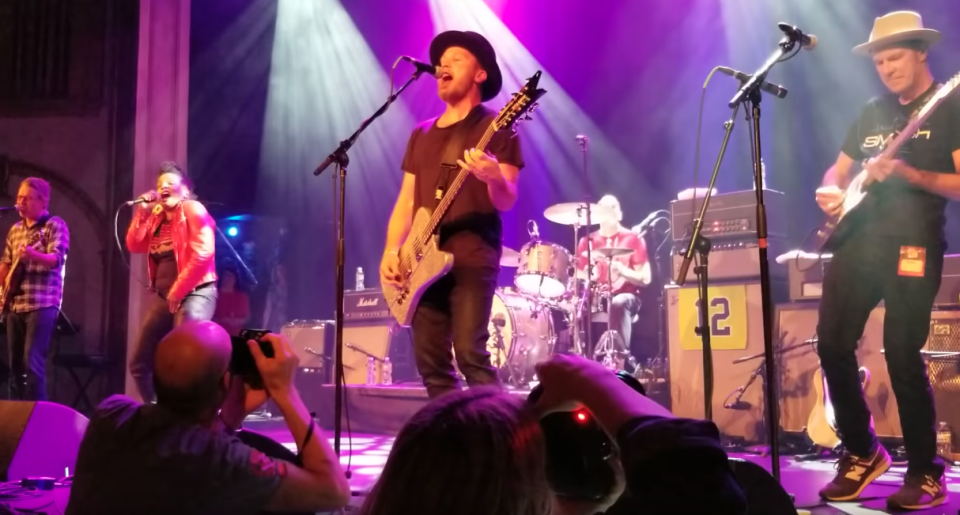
(423, 270)
(839, 228)
(11, 285)
(822, 422)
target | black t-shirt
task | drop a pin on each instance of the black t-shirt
(899, 209)
(145, 460)
(471, 229)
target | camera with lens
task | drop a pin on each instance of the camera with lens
(579, 450)
(241, 360)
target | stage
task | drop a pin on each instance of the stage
(376, 414)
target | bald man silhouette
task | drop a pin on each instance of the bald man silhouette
(154, 457)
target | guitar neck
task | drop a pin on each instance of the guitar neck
(455, 186)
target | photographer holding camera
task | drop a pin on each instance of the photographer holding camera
(182, 456)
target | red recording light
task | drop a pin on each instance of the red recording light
(581, 416)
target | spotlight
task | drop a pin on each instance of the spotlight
(232, 231)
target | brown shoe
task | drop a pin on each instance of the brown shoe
(854, 474)
(919, 492)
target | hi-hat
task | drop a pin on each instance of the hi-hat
(509, 258)
(609, 252)
(575, 213)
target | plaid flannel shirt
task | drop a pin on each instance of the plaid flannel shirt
(42, 287)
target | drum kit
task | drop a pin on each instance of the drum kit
(551, 304)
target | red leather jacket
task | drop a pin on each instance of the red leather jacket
(192, 231)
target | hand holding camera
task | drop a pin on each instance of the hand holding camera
(278, 368)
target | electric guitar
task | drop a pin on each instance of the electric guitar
(839, 227)
(422, 263)
(822, 422)
(11, 285)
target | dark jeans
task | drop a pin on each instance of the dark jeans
(622, 310)
(28, 340)
(200, 304)
(456, 307)
(863, 272)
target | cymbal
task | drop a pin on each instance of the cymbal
(610, 251)
(509, 258)
(566, 213)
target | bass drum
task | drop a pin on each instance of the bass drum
(521, 335)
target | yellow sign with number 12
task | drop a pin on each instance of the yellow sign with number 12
(728, 317)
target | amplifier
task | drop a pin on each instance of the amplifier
(732, 260)
(313, 342)
(806, 279)
(731, 215)
(365, 305)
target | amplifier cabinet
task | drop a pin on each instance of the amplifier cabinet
(313, 342)
(732, 260)
(797, 323)
(736, 320)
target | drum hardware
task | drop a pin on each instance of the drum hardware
(579, 214)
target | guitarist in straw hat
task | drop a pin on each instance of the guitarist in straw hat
(457, 306)
(895, 254)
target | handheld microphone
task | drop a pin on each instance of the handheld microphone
(143, 199)
(9, 208)
(774, 89)
(422, 67)
(807, 41)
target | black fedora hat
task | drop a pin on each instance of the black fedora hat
(480, 48)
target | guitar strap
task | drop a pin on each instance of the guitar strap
(452, 151)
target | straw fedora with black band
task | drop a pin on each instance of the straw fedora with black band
(897, 27)
(480, 48)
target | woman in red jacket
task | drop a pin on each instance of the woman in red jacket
(178, 235)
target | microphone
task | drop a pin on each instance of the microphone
(422, 67)
(807, 41)
(143, 199)
(774, 89)
(9, 208)
(644, 226)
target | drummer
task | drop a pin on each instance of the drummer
(629, 272)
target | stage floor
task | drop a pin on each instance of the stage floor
(365, 454)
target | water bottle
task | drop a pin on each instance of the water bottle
(944, 440)
(371, 371)
(359, 279)
(386, 374)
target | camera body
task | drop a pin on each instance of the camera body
(241, 360)
(579, 450)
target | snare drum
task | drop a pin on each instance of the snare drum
(521, 335)
(544, 270)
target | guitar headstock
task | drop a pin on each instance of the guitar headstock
(519, 107)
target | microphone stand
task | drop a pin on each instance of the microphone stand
(588, 284)
(749, 92)
(342, 160)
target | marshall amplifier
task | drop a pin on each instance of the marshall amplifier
(365, 306)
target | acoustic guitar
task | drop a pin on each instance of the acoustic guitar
(822, 422)
(11, 285)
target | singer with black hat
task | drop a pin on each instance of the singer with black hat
(457, 307)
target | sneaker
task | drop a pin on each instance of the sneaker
(854, 474)
(919, 493)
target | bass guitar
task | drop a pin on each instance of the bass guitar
(822, 422)
(855, 200)
(422, 263)
(11, 285)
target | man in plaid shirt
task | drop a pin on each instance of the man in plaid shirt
(34, 303)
